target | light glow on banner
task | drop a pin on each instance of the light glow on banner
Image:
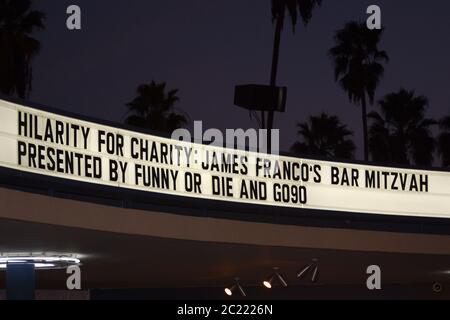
(50, 144)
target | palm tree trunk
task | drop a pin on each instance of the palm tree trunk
(365, 133)
(273, 74)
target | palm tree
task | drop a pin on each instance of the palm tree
(358, 66)
(304, 8)
(401, 134)
(17, 46)
(153, 108)
(444, 141)
(324, 136)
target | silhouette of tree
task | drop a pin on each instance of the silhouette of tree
(401, 134)
(153, 109)
(324, 136)
(304, 8)
(444, 141)
(294, 8)
(358, 66)
(17, 46)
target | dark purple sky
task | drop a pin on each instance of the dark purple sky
(205, 47)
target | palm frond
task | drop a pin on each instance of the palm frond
(155, 109)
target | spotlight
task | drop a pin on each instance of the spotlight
(268, 282)
(306, 268)
(236, 285)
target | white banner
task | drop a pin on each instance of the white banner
(50, 144)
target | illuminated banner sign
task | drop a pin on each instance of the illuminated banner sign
(50, 144)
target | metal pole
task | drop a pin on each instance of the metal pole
(274, 71)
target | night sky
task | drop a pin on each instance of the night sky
(204, 48)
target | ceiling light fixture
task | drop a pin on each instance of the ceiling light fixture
(275, 275)
(314, 264)
(229, 291)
